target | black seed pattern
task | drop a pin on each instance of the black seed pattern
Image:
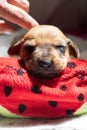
(20, 72)
(7, 90)
(63, 87)
(70, 112)
(80, 97)
(80, 74)
(36, 89)
(21, 108)
(71, 65)
(53, 103)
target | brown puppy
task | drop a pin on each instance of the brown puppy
(45, 51)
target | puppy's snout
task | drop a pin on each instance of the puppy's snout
(45, 64)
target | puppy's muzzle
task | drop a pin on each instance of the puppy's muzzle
(45, 63)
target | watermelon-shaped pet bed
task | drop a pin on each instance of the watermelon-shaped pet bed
(23, 95)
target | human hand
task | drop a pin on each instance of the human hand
(15, 11)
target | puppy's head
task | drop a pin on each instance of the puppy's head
(45, 51)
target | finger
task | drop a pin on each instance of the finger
(5, 28)
(17, 16)
(23, 4)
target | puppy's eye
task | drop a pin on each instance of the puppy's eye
(29, 49)
(61, 48)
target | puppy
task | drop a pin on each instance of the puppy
(45, 51)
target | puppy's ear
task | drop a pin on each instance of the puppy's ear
(15, 48)
(73, 49)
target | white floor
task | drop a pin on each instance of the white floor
(77, 123)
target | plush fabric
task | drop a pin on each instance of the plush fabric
(23, 95)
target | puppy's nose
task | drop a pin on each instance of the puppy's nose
(45, 64)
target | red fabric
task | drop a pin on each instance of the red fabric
(23, 94)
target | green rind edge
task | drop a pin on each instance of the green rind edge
(81, 110)
(6, 113)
